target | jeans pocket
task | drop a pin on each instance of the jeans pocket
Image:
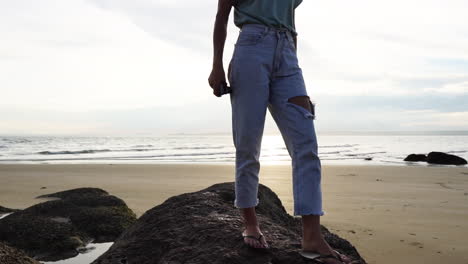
(247, 38)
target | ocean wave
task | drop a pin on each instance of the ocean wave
(15, 141)
(342, 158)
(457, 151)
(340, 146)
(90, 151)
(209, 147)
(85, 151)
(130, 157)
(365, 153)
(138, 149)
(178, 155)
(331, 152)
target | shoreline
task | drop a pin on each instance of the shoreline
(408, 214)
(231, 163)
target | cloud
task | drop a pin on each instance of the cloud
(451, 88)
(81, 58)
(431, 119)
(387, 42)
(181, 23)
(72, 55)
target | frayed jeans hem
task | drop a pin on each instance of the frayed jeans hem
(241, 206)
(297, 213)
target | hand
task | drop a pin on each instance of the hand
(217, 77)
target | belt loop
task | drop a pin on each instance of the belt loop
(265, 30)
(289, 36)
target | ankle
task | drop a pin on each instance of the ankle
(252, 227)
(317, 244)
(313, 238)
(314, 241)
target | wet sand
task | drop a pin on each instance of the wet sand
(391, 214)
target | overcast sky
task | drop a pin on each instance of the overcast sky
(140, 67)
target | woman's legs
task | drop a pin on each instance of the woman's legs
(294, 114)
(267, 75)
(249, 77)
(249, 101)
(294, 118)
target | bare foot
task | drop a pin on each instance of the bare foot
(253, 232)
(321, 246)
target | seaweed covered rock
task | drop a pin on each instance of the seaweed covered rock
(9, 255)
(444, 158)
(55, 229)
(416, 157)
(205, 227)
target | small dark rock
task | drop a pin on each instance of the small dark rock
(444, 158)
(204, 227)
(369, 158)
(53, 230)
(416, 157)
(9, 255)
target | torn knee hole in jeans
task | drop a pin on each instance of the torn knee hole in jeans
(305, 105)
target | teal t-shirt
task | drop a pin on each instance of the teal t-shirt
(273, 13)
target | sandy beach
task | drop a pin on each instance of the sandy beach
(392, 214)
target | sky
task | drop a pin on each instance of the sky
(140, 67)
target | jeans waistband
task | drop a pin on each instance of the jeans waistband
(266, 29)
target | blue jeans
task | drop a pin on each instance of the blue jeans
(264, 73)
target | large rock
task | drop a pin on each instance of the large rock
(55, 229)
(416, 157)
(204, 227)
(444, 158)
(9, 255)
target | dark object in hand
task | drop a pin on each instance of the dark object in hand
(223, 88)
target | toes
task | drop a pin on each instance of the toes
(259, 245)
(253, 243)
(256, 243)
(250, 242)
(345, 258)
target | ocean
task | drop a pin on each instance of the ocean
(383, 148)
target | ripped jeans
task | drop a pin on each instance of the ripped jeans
(264, 73)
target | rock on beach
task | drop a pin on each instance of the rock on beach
(436, 157)
(416, 157)
(444, 158)
(9, 255)
(56, 229)
(205, 227)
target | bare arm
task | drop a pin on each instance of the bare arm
(217, 75)
(295, 41)
(220, 30)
